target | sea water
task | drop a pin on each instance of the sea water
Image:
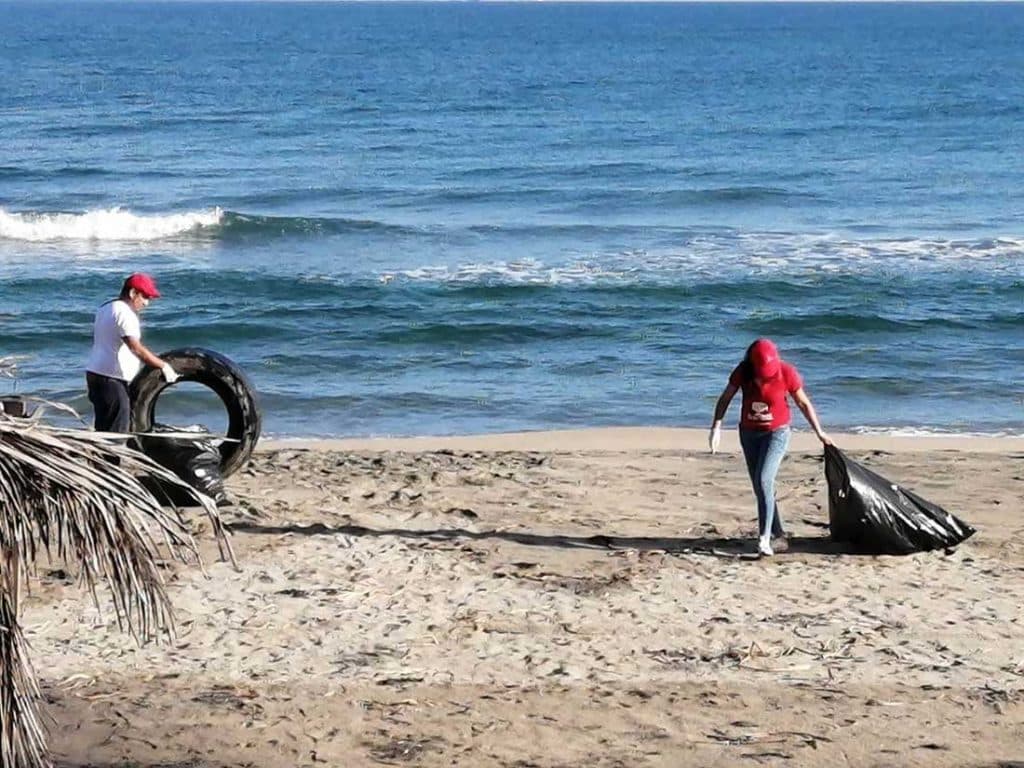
(415, 218)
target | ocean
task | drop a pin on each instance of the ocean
(417, 218)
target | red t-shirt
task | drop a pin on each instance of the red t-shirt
(764, 405)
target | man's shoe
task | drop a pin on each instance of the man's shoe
(764, 548)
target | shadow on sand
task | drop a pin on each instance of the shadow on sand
(703, 545)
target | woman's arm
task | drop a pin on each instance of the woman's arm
(807, 408)
(723, 403)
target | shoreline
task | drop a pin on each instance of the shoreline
(614, 439)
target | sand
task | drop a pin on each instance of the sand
(559, 599)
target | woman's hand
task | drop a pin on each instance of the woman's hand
(825, 439)
(715, 436)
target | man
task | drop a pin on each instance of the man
(118, 353)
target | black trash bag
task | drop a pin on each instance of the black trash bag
(879, 517)
(196, 460)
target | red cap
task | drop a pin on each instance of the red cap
(764, 356)
(144, 284)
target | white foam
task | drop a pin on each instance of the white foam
(770, 251)
(521, 272)
(110, 224)
(736, 255)
(932, 432)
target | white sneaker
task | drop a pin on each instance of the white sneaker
(764, 548)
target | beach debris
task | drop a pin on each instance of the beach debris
(403, 749)
(400, 679)
(739, 738)
(586, 585)
(232, 697)
(296, 592)
(998, 699)
(462, 512)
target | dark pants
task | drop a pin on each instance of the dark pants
(109, 398)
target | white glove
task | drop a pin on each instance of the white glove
(170, 375)
(715, 437)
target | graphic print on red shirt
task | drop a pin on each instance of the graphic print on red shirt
(765, 406)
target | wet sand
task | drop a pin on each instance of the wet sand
(560, 599)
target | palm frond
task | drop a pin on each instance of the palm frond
(21, 736)
(9, 365)
(42, 406)
(78, 489)
(79, 497)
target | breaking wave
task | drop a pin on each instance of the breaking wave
(109, 224)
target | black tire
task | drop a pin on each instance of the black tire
(219, 374)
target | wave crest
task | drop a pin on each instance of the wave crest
(730, 258)
(110, 224)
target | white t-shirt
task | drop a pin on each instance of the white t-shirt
(110, 356)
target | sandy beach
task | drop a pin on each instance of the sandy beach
(559, 599)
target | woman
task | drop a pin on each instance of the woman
(764, 426)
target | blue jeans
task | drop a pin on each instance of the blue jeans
(764, 451)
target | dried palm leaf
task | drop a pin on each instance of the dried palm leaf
(77, 496)
(9, 365)
(21, 738)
